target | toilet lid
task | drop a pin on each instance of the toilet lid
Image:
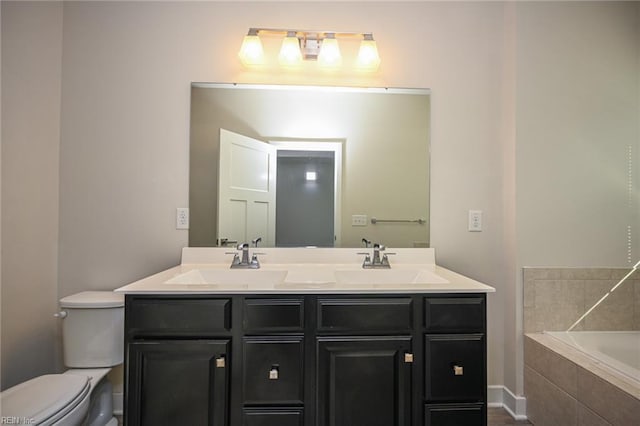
(45, 398)
(93, 299)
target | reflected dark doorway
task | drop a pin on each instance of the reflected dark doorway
(305, 198)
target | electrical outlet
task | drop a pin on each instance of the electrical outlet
(182, 218)
(359, 220)
(475, 220)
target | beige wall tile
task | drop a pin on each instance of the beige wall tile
(554, 367)
(530, 320)
(554, 298)
(587, 417)
(529, 295)
(558, 303)
(616, 312)
(636, 304)
(548, 405)
(606, 400)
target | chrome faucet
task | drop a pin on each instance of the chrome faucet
(376, 261)
(244, 262)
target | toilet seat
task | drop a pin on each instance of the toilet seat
(47, 399)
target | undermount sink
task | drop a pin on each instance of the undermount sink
(229, 277)
(308, 277)
(388, 276)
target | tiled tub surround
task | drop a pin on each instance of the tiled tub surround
(554, 298)
(564, 386)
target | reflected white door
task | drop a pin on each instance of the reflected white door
(246, 189)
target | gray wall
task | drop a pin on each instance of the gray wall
(31, 72)
(304, 209)
(514, 91)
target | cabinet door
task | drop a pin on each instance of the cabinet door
(177, 382)
(364, 381)
(273, 369)
(455, 368)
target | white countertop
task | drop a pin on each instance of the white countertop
(300, 270)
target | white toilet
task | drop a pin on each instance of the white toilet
(92, 339)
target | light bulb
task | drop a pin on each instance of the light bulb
(368, 58)
(329, 56)
(290, 54)
(251, 52)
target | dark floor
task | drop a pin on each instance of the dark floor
(497, 417)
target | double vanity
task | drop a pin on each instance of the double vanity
(310, 338)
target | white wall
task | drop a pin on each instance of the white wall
(576, 117)
(500, 77)
(31, 66)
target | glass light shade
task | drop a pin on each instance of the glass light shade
(251, 52)
(290, 54)
(368, 58)
(329, 56)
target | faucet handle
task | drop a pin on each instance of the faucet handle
(367, 259)
(367, 243)
(256, 241)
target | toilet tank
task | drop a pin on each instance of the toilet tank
(93, 329)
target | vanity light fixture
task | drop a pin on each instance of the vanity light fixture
(251, 52)
(290, 53)
(329, 55)
(299, 46)
(368, 57)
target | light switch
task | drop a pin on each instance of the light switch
(475, 220)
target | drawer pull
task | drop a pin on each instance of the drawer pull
(458, 370)
(408, 358)
(220, 363)
(274, 373)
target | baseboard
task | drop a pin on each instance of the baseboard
(498, 397)
(117, 403)
(501, 396)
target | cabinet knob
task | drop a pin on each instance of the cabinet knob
(408, 358)
(220, 362)
(458, 370)
(274, 373)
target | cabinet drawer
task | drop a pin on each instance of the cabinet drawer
(273, 315)
(178, 317)
(455, 367)
(366, 315)
(273, 417)
(273, 370)
(454, 415)
(455, 314)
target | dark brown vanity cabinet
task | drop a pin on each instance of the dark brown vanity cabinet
(305, 360)
(364, 381)
(455, 372)
(177, 360)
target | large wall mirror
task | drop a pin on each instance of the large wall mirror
(309, 166)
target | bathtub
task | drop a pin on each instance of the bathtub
(619, 350)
